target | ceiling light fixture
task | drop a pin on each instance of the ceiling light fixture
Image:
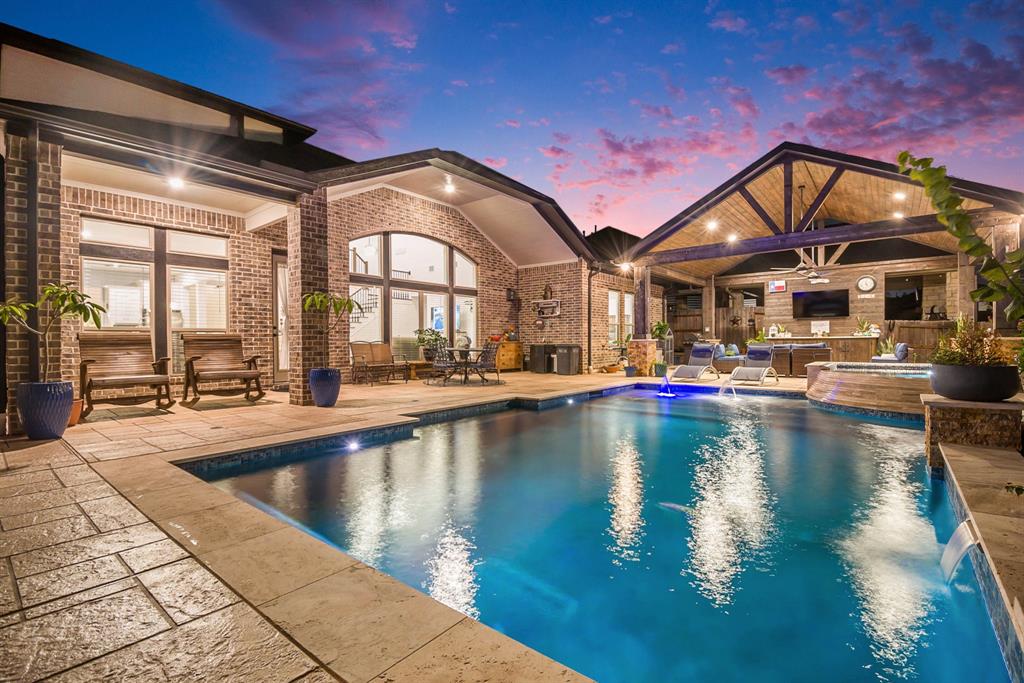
(175, 183)
(625, 267)
(899, 196)
(897, 214)
(732, 238)
(712, 225)
(449, 186)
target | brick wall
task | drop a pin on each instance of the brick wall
(308, 260)
(250, 275)
(603, 353)
(568, 283)
(385, 209)
(16, 166)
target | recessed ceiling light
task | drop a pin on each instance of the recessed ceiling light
(732, 237)
(899, 196)
(712, 225)
(175, 183)
(624, 267)
(897, 214)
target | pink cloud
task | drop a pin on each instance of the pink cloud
(855, 17)
(553, 151)
(730, 22)
(496, 162)
(806, 22)
(671, 49)
(460, 84)
(346, 79)
(510, 123)
(789, 75)
(562, 138)
(738, 96)
(912, 39)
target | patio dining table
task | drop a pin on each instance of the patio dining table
(464, 358)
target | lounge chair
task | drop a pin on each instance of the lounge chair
(700, 362)
(757, 365)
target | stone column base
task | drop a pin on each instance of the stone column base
(995, 425)
(642, 354)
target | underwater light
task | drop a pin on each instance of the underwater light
(352, 445)
(569, 401)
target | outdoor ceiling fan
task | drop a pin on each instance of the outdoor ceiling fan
(813, 274)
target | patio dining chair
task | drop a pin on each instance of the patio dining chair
(487, 362)
(757, 365)
(444, 365)
(699, 363)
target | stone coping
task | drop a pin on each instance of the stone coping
(977, 478)
(1015, 403)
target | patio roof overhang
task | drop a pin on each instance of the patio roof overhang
(800, 197)
(528, 227)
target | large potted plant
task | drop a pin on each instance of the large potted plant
(325, 383)
(428, 339)
(971, 365)
(1004, 281)
(45, 406)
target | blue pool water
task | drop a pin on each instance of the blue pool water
(643, 539)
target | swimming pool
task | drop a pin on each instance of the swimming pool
(691, 539)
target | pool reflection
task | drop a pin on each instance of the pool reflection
(731, 518)
(626, 498)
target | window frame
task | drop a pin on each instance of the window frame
(386, 281)
(130, 262)
(628, 328)
(227, 300)
(614, 328)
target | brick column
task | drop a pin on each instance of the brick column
(307, 271)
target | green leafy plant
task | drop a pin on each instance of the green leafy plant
(970, 344)
(429, 337)
(758, 338)
(781, 328)
(58, 301)
(863, 325)
(659, 330)
(886, 346)
(1003, 278)
(335, 308)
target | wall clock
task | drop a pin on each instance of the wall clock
(866, 283)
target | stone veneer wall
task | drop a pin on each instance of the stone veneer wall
(388, 210)
(250, 272)
(957, 424)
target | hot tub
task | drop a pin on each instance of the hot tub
(871, 387)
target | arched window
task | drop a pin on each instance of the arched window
(406, 282)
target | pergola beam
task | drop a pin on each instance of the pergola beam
(823, 194)
(860, 232)
(759, 210)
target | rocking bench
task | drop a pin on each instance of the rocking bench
(219, 358)
(121, 360)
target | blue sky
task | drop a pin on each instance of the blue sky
(625, 113)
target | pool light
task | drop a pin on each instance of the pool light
(570, 401)
(352, 446)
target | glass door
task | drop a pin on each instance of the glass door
(281, 359)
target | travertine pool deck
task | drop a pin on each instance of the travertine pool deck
(117, 564)
(979, 477)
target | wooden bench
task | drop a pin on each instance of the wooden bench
(219, 358)
(375, 360)
(121, 360)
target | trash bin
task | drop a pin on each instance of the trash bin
(540, 357)
(567, 359)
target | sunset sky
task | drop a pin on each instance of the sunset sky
(624, 113)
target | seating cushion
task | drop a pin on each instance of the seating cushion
(211, 375)
(783, 347)
(818, 345)
(902, 350)
(127, 381)
(689, 371)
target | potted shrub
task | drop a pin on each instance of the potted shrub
(325, 383)
(971, 365)
(44, 407)
(428, 339)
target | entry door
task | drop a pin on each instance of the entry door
(280, 319)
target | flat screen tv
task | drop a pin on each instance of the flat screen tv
(828, 303)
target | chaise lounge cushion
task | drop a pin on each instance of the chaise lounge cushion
(747, 374)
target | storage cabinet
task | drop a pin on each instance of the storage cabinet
(510, 356)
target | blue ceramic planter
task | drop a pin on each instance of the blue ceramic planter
(324, 384)
(44, 408)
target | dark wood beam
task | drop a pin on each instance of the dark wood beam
(823, 194)
(860, 232)
(759, 210)
(787, 196)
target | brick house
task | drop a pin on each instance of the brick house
(184, 211)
